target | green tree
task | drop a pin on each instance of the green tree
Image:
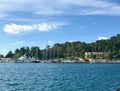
(9, 55)
(1, 56)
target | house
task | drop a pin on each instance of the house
(96, 55)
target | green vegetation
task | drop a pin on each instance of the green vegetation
(71, 50)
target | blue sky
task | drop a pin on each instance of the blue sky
(42, 22)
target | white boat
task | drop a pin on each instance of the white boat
(69, 61)
(24, 59)
(92, 61)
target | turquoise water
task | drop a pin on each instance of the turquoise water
(59, 77)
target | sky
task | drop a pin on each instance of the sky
(41, 22)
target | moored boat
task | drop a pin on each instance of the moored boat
(24, 59)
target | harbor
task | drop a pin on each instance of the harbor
(59, 45)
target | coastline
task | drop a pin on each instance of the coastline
(8, 60)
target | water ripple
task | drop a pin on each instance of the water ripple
(59, 77)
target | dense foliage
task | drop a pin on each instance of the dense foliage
(71, 49)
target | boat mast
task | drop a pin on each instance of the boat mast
(50, 52)
(68, 49)
(46, 53)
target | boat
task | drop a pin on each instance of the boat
(34, 61)
(24, 59)
(69, 61)
(92, 61)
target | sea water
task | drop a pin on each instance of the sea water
(59, 77)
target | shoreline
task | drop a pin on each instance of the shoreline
(9, 60)
(108, 62)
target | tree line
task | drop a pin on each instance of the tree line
(70, 50)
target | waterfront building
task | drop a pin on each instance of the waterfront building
(96, 55)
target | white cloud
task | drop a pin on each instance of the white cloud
(79, 7)
(17, 43)
(15, 29)
(60, 7)
(71, 41)
(43, 27)
(50, 42)
(102, 38)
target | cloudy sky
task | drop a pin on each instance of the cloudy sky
(42, 22)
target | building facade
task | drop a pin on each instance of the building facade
(96, 55)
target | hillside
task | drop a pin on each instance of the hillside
(71, 49)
